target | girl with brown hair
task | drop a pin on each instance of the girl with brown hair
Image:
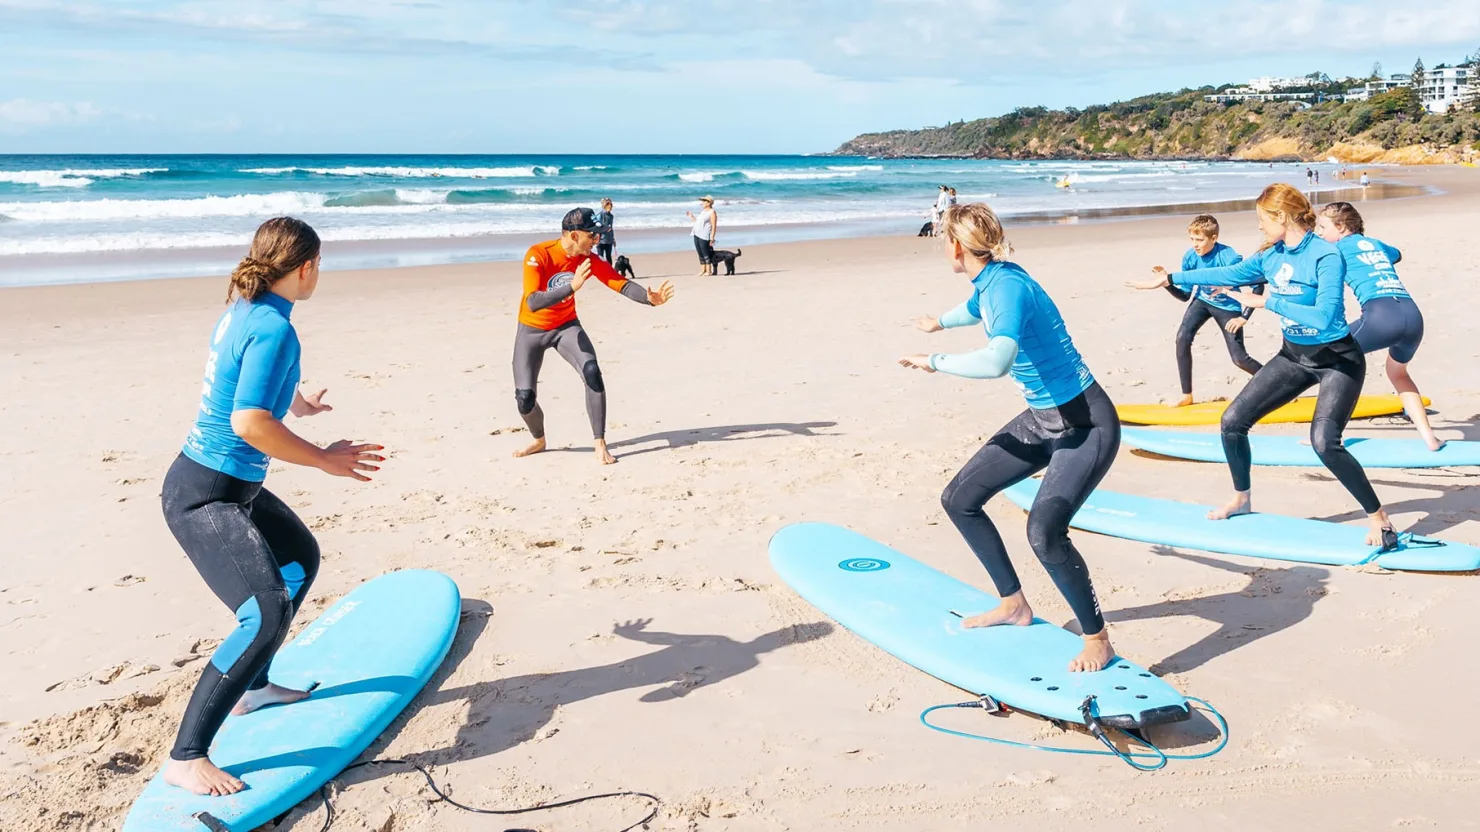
(251, 549)
(1305, 275)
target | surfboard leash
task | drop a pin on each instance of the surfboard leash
(1087, 710)
(441, 795)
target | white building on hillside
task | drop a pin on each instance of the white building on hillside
(1377, 87)
(1445, 88)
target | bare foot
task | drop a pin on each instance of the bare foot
(1376, 523)
(1242, 503)
(270, 695)
(603, 456)
(1184, 401)
(200, 776)
(1435, 443)
(534, 447)
(1096, 654)
(1013, 611)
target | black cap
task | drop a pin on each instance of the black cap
(580, 219)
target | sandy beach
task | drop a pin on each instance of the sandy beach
(622, 628)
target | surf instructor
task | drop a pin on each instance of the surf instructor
(553, 272)
(1070, 429)
(251, 549)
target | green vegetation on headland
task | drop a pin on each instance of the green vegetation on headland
(1388, 127)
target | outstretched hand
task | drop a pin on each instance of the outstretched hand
(928, 323)
(661, 295)
(347, 459)
(310, 405)
(1235, 325)
(583, 273)
(1161, 279)
(917, 362)
(631, 628)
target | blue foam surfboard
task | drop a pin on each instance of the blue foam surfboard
(1287, 450)
(369, 655)
(909, 610)
(1276, 536)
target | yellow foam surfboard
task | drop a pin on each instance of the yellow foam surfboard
(1208, 413)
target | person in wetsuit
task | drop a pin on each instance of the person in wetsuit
(251, 549)
(1390, 319)
(1306, 277)
(553, 272)
(1204, 304)
(1069, 431)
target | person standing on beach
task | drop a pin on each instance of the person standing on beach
(942, 202)
(1309, 174)
(608, 234)
(706, 225)
(1069, 430)
(1306, 277)
(553, 272)
(950, 196)
(1204, 304)
(251, 549)
(1390, 319)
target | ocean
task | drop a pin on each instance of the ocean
(90, 218)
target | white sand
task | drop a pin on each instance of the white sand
(748, 403)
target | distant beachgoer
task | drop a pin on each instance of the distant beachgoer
(1318, 176)
(608, 234)
(706, 225)
(1309, 176)
(951, 199)
(942, 201)
(1365, 179)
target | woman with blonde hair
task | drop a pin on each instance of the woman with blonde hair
(1306, 278)
(251, 549)
(1069, 431)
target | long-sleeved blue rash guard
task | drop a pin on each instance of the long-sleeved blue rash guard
(1024, 327)
(1221, 255)
(253, 365)
(1369, 268)
(1305, 287)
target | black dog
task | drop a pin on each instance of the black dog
(726, 257)
(624, 267)
(927, 230)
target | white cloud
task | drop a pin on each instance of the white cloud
(24, 114)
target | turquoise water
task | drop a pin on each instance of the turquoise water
(107, 217)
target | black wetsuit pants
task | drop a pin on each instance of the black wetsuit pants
(1074, 446)
(1339, 368)
(260, 560)
(1198, 313)
(571, 341)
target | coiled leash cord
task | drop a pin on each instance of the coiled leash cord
(1088, 710)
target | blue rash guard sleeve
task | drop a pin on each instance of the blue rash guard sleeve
(1330, 283)
(267, 358)
(959, 317)
(1249, 310)
(1394, 255)
(1239, 274)
(991, 361)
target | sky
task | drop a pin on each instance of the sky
(640, 76)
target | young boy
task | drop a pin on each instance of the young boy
(1207, 302)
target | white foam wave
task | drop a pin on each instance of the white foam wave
(698, 176)
(419, 172)
(589, 167)
(783, 176)
(138, 209)
(70, 178)
(855, 167)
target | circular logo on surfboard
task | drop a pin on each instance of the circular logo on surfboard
(864, 565)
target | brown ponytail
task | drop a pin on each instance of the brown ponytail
(280, 246)
(1281, 198)
(1345, 217)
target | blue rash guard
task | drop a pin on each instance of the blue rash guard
(1305, 287)
(1369, 268)
(253, 365)
(1221, 255)
(1023, 326)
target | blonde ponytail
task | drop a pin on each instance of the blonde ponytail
(976, 227)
